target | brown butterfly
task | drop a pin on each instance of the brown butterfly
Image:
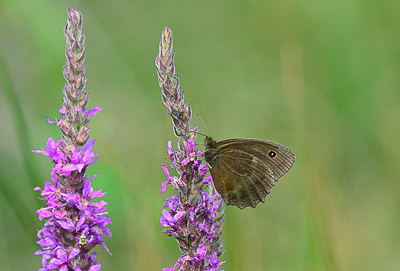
(244, 169)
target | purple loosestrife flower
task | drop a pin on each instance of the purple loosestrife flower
(194, 217)
(74, 223)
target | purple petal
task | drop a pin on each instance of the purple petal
(187, 148)
(43, 213)
(68, 169)
(68, 224)
(172, 203)
(106, 248)
(192, 146)
(203, 227)
(169, 148)
(97, 194)
(179, 215)
(87, 188)
(201, 252)
(185, 161)
(72, 199)
(73, 253)
(51, 147)
(93, 111)
(41, 151)
(79, 167)
(166, 215)
(75, 156)
(166, 172)
(50, 122)
(168, 220)
(88, 146)
(93, 256)
(208, 179)
(62, 255)
(49, 188)
(60, 214)
(54, 264)
(95, 267)
(164, 186)
(82, 220)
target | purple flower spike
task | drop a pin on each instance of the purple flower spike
(195, 216)
(74, 224)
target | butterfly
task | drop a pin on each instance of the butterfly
(245, 169)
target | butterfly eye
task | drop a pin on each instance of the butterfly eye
(272, 154)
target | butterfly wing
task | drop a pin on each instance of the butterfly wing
(245, 169)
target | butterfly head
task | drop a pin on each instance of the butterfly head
(211, 148)
(210, 143)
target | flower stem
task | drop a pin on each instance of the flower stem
(75, 224)
(194, 217)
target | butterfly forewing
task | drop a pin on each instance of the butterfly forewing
(280, 164)
(244, 170)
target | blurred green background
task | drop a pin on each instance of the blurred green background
(321, 77)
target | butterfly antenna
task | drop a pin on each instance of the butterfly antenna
(203, 123)
(197, 133)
